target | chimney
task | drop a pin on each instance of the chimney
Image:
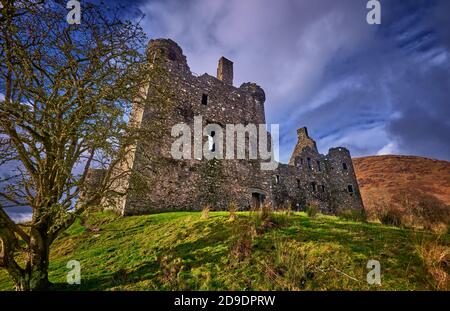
(225, 71)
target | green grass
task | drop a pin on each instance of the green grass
(181, 251)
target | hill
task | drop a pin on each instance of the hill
(402, 181)
(184, 251)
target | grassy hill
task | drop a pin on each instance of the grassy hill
(180, 251)
(401, 183)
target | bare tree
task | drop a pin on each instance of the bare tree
(67, 90)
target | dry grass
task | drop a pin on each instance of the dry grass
(300, 266)
(205, 212)
(232, 208)
(288, 208)
(405, 190)
(436, 258)
(241, 248)
(170, 266)
(266, 210)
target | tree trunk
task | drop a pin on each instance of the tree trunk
(38, 277)
(35, 275)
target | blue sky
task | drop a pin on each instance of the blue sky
(375, 89)
(380, 89)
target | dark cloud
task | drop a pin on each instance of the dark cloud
(423, 125)
(285, 46)
(374, 89)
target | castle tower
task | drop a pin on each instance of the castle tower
(303, 141)
(343, 182)
(157, 180)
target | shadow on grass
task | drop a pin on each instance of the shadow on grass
(201, 249)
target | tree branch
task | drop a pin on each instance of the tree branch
(6, 222)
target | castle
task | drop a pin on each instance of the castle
(166, 184)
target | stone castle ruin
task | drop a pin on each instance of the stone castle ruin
(161, 183)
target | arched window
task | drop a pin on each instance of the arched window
(211, 142)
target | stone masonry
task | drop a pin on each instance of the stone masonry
(161, 183)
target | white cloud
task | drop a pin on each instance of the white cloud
(20, 217)
(390, 148)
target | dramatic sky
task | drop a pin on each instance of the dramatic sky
(375, 89)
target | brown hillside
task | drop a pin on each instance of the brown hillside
(390, 179)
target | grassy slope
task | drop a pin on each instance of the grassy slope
(182, 251)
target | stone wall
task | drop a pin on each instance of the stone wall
(192, 183)
(328, 181)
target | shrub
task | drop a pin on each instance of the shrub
(261, 215)
(391, 217)
(279, 220)
(377, 204)
(265, 219)
(312, 209)
(428, 211)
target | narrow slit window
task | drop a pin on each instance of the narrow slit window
(277, 179)
(322, 188)
(318, 166)
(309, 162)
(344, 166)
(298, 183)
(313, 187)
(205, 99)
(350, 188)
(211, 142)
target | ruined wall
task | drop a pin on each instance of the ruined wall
(163, 183)
(303, 141)
(175, 95)
(326, 180)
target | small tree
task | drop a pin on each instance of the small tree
(66, 90)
